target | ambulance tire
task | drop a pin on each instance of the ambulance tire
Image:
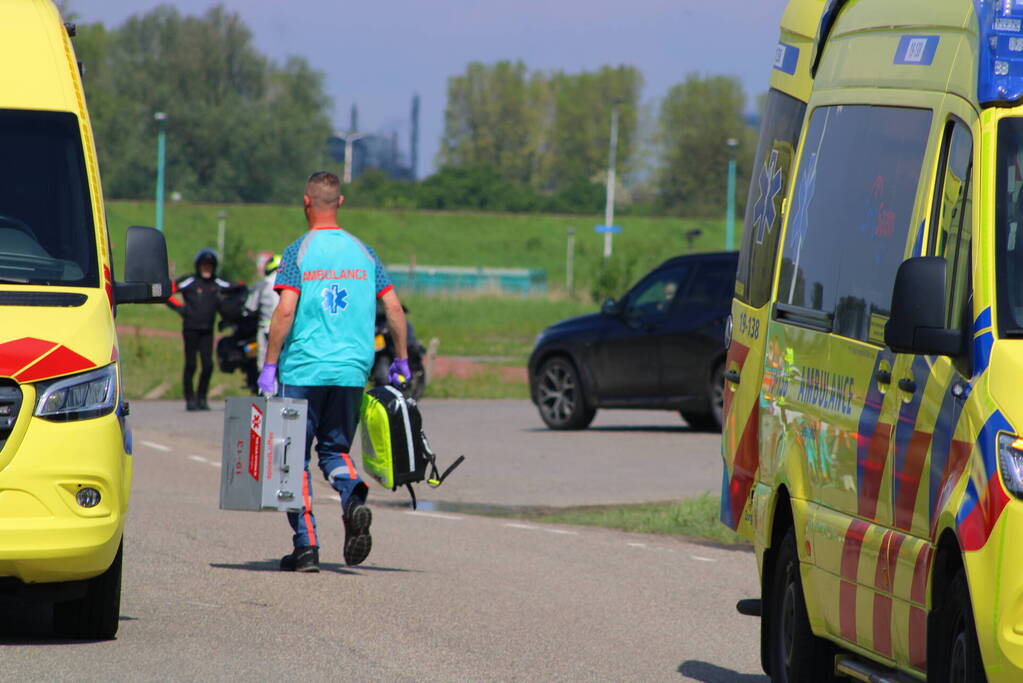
(96, 615)
(562, 401)
(956, 647)
(795, 653)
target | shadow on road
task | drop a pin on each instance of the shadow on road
(275, 566)
(665, 429)
(712, 673)
(30, 623)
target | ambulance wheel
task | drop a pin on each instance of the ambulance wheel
(955, 646)
(96, 615)
(795, 653)
(560, 397)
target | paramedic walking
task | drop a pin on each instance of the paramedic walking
(320, 349)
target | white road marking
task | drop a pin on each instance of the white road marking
(197, 458)
(201, 604)
(702, 559)
(520, 526)
(562, 531)
(214, 463)
(637, 545)
(157, 446)
(433, 515)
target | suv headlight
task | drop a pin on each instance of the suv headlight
(79, 397)
(1010, 462)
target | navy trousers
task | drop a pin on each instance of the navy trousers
(332, 417)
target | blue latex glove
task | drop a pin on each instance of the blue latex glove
(267, 381)
(399, 374)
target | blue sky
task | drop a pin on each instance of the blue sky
(377, 54)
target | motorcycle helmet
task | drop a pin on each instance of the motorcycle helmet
(206, 256)
(272, 264)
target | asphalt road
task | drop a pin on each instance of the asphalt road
(445, 595)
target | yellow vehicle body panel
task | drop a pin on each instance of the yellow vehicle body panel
(45, 535)
(880, 479)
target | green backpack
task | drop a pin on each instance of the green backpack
(395, 451)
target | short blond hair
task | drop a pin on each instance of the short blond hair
(324, 190)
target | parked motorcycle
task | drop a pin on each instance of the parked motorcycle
(383, 345)
(239, 349)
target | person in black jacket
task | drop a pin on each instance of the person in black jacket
(196, 299)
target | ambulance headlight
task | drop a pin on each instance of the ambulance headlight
(79, 397)
(1010, 462)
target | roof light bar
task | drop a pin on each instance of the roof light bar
(1000, 80)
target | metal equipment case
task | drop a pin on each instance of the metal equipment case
(263, 457)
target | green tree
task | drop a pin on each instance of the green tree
(239, 127)
(697, 117)
(495, 116)
(582, 121)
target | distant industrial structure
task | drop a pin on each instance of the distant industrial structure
(359, 151)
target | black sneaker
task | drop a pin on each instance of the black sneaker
(202, 404)
(358, 542)
(191, 406)
(303, 559)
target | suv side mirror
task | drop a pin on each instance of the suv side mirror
(145, 268)
(611, 307)
(917, 323)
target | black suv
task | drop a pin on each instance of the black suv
(661, 346)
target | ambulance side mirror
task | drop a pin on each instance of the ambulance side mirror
(145, 268)
(917, 323)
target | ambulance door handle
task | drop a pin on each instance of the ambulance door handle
(907, 385)
(883, 377)
(732, 376)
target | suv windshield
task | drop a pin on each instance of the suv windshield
(46, 229)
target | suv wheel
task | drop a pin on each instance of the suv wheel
(710, 421)
(560, 396)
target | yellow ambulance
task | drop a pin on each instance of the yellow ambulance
(65, 465)
(873, 436)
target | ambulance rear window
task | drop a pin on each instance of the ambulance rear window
(779, 135)
(47, 235)
(852, 211)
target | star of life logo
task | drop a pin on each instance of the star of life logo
(769, 182)
(334, 299)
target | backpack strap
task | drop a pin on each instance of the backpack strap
(435, 479)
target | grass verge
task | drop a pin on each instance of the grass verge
(696, 517)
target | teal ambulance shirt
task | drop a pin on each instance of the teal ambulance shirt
(338, 280)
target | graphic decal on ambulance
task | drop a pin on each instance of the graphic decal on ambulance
(882, 578)
(872, 438)
(735, 487)
(30, 360)
(983, 340)
(985, 499)
(911, 445)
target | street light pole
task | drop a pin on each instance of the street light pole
(221, 232)
(161, 155)
(569, 258)
(609, 206)
(350, 137)
(730, 212)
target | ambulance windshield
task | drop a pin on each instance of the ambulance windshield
(1009, 217)
(46, 228)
